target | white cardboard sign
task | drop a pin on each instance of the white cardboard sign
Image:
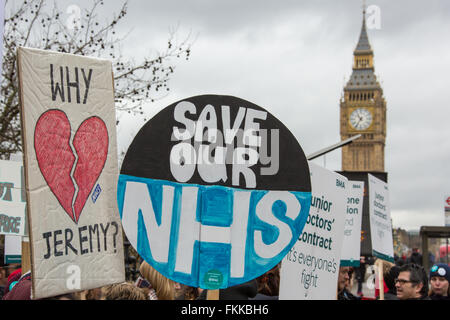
(13, 249)
(71, 171)
(352, 231)
(12, 201)
(310, 270)
(2, 25)
(380, 219)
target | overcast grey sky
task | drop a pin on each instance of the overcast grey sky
(291, 57)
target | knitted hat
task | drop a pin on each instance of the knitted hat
(440, 270)
(13, 278)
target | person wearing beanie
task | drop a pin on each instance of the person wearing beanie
(19, 289)
(439, 280)
(13, 278)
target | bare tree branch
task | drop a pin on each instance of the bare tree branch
(39, 24)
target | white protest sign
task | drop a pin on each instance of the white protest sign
(380, 219)
(13, 249)
(2, 25)
(310, 270)
(214, 221)
(12, 201)
(352, 230)
(70, 148)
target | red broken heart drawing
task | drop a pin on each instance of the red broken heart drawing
(70, 170)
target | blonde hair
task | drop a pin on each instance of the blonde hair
(387, 267)
(124, 291)
(164, 287)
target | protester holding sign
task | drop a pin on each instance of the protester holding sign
(440, 282)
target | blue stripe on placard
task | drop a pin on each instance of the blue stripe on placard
(211, 236)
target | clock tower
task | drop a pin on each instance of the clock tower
(363, 111)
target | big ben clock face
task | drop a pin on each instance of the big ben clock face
(361, 119)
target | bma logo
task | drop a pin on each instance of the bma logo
(223, 220)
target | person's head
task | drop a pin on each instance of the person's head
(187, 293)
(389, 277)
(124, 291)
(412, 282)
(164, 287)
(94, 294)
(269, 282)
(67, 296)
(343, 278)
(440, 279)
(3, 277)
(349, 282)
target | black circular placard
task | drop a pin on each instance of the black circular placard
(161, 149)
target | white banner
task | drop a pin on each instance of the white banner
(70, 148)
(310, 270)
(13, 249)
(352, 232)
(12, 200)
(2, 25)
(380, 219)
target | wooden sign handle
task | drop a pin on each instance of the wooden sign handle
(26, 257)
(380, 278)
(212, 295)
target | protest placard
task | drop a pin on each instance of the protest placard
(380, 219)
(2, 26)
(352, 230)
(12, 199)
(69, 139)
(310, 270)
(13, 249)
(214, 191)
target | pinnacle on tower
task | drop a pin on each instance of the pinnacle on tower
(363, 45)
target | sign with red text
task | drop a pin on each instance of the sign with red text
(71, 170)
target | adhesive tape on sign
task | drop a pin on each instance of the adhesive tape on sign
(214, 191)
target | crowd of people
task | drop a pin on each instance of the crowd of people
(404, 281)
(150, 285)
(407, 281)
